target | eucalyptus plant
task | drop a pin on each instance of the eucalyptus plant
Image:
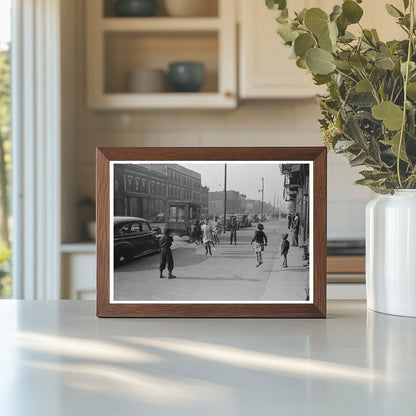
(369, 111)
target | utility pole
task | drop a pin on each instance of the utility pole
(262, 197)
(274, 201)
(225, 197)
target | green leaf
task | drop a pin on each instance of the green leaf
(363, 86)
(321, 79)
(301, 15)
(374, 150)
(406, 4)
(358, 61)
(319, 61)
(391, 114)
(343, 145)
(303, 43)
(411, 90)
(374, 175)
(287, 33)
(393, 11)
(301, 63)
(365, 182)
(347, 37)
(336, 12)
(276, 4)
(384, 62)
(325, 42)
(344, 65)
(358, 160)
(394, 145)
(316, 20)
(342, 25)
(351, 11)
(375, 35)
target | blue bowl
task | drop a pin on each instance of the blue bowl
(135, 8)
(186, 76)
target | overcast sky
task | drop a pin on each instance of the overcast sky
(244, 178)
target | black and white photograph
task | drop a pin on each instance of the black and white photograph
(211, 232)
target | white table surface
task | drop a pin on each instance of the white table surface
(57, 358)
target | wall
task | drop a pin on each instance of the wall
(253, 123)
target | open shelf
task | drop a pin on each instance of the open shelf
(160, 24)
(127, 51)
(116, 46)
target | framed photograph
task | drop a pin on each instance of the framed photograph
(211, 232)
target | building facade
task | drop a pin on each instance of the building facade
(142, 190)
(216, 203)
(204, 201)
(296, 192)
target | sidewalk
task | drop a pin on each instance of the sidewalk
(291, 282)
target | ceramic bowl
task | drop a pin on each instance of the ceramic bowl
(147, 80)
(186, 76)
(135, 8)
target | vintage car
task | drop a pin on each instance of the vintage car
(243, 220)
(133, 237)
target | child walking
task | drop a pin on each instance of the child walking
(166, 257)
(207, 237)
(284, 249)
(260, 241)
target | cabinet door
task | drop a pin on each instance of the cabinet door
(266, 71)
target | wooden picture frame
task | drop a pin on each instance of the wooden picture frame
(289, 161)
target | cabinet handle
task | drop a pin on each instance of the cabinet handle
(229, 94)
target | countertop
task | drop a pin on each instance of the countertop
(57, 358)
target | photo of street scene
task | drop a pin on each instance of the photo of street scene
(211, 232)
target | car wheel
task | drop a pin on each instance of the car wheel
(122, 257)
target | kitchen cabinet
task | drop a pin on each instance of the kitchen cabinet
(265, 70)
(118, 45)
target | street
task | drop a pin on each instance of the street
(230, 274)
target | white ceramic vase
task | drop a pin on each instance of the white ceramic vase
(391, 253)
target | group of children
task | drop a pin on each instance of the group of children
(260, 241)
(207, 239)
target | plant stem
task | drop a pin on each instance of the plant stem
(405, 81)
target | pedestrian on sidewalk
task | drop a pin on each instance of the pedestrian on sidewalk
(295, 228)
(166, 257)
(207, 237)
(196, 233)
(233, 230)
(289, 221)
(260, 241)
(284, 249)
(216, 230)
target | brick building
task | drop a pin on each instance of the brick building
(204, 201)
(144, 190)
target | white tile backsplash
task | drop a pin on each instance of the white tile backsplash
(257, 123)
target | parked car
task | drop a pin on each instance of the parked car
(133, 237)
(242, 220)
